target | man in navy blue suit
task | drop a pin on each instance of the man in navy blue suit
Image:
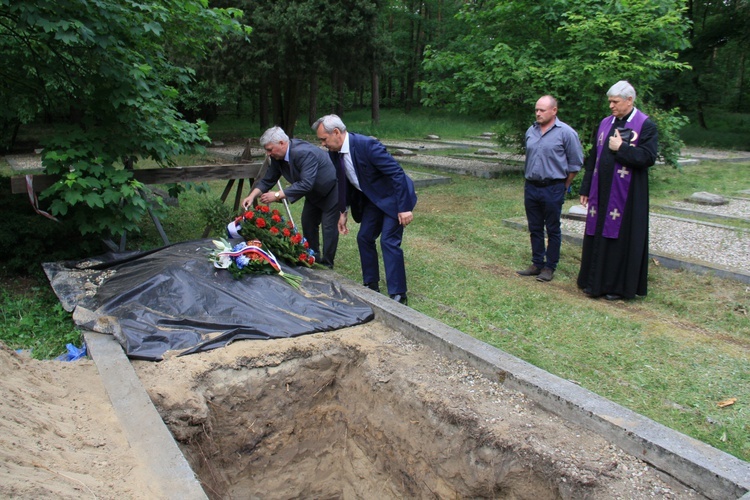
(381, 197)
(312, 175)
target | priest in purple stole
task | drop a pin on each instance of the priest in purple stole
(614, 261)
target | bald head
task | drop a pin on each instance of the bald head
(546, 110)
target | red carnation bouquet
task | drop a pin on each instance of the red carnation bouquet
(277, 235)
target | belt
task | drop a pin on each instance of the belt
(545, 182)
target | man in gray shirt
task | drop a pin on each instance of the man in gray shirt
(553, 158)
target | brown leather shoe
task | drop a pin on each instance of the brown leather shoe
(532, 270)
(545, 275)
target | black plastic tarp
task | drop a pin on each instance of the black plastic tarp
(173, 299)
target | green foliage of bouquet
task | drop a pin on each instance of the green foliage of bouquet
(248, 258)
(277, 235)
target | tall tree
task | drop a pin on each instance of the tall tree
(108, 68)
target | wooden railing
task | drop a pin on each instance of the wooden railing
(230, 172)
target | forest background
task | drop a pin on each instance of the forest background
(105, 86)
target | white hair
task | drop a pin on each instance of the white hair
(273, 134)
(621, 89)
(330, 122)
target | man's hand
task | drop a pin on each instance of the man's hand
(247, 203)
(270, 197)
(585, 201)
(342, 224)
(404, 218)
(615, 141)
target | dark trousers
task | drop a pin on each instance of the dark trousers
(543, 208)
(324, 213)
(376, 223)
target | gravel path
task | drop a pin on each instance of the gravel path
(691, 241)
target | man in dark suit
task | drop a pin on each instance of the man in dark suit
(380, 195)
(311, 174)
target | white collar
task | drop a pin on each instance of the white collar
(632, 115)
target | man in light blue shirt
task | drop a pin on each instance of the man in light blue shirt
(553, 158)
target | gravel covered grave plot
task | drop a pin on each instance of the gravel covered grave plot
(690, 240)
(735, 208)
(365, 413)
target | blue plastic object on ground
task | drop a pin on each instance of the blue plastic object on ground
(73, 354)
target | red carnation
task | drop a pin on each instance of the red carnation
(274, 230)
(249, 215)
(296, 239)
(289, 224)
(303, 257)
(286, 232)
(306, 244)
(261, 223)
(265, 209)
(276, 218)
(275, 212)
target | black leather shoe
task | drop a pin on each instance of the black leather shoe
(400, 298)
(613, 296)
(587, 291)
(373, 286)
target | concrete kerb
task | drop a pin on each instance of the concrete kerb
(667, 261)
(149, 437)
(706, 215)
(712, 472)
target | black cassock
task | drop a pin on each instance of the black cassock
(620, 266)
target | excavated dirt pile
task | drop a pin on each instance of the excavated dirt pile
(365, 413)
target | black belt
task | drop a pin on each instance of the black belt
(545, 182)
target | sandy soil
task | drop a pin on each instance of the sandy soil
(59, 436)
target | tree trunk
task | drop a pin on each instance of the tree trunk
(338, 88)
(312, 113)
(375, 98)
(741, 83)
(292, 104)
(277, 101)
(701, 116)
(263, 103)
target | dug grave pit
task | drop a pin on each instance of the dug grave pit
(363, 412)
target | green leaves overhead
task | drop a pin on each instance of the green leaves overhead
(514, 52)
(112, 69)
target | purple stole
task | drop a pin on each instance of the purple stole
(620, 180)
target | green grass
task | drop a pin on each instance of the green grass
(36, 321)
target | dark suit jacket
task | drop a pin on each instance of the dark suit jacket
(380, 176)
(310, 173)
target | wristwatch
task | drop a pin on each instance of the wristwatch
(278, 193)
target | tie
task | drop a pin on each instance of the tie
(287, 169)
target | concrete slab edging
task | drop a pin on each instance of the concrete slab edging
(144, 429)
(712, 472)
